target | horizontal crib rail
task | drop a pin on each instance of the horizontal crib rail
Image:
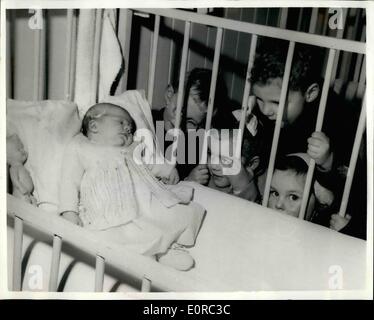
(130, 263)
(261, 30)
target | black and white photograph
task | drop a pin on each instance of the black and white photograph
(177, 148)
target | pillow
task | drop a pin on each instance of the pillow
(44, 127)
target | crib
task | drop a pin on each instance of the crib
(256, 249)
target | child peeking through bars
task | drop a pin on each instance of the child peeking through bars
(332, 146)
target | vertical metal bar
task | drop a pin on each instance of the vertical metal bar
(278, 122)
(69, 43)
(17, 254)
(339, 35)
(38, 38)
(320, 116)
(124, 34)
(146, 285)
(171, 56)
(9, 53)
(212, 92)
(353, 160)
(99, 273)
(96, 56)
(182, 74)
(283, 18)
(313, 21)
(73, 56)
(325, 22)
(55, 263)
(300, 19)
(152, 62)
(359, 63)
(247, 89)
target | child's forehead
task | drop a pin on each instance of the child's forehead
(288, 180)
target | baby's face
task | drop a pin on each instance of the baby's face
(286, 192)
(268, 97)
(115, 127)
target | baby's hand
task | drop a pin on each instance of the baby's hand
(319, 150)
(199, 174)
(338, 222)
(73, 217)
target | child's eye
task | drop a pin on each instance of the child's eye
(259, 102)
(191, 124)
(294, 197)
(274, 193)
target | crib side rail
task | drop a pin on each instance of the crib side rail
(261, 30)
(136, 265)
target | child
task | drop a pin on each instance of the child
(22, 184)
(194, 110)
(330, 148)
(225, 171)
(120, 199)
(287, 187)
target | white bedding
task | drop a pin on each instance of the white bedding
(245, 247)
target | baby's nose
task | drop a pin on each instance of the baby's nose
(127, 127)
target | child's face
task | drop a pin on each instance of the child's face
(268, 97)
(215, 164)
(286, 192)
(115, 127)
(196, 111)
(220, 160)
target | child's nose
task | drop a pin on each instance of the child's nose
(268, 110)
(280, 204)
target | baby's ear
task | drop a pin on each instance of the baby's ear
(92, 126)
(312, 92)
(169, 92)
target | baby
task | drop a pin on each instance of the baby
(104, 189)
(21, 180)
(287, 187)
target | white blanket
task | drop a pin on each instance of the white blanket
(44, 128)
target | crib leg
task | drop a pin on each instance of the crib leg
(146, 285)
(55, 263)
(99, 274)
(17, 254)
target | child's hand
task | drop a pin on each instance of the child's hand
(73, 217)
(242, 184)
(199, 174)
(319, 150)
(173, 177)
(338, 222)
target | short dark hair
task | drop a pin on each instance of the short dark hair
(293, 163)
(271, 59)
(199, 79)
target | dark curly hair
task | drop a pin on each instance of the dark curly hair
(270, 64)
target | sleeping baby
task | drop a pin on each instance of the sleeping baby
(105, 190)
